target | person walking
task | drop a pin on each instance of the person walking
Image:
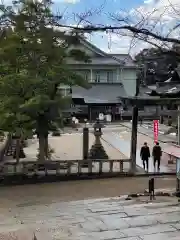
(140, 120)
(157, 153)
(145, 155)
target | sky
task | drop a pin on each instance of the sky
(159, 16)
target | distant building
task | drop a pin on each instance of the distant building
(106, 73)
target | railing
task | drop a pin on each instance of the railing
(67, 168)
(170, 157)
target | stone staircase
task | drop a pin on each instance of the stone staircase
(94, 219)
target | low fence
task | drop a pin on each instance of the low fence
(65, 168)
(171, 154)
(169, 158)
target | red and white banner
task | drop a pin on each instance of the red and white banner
(156, 130)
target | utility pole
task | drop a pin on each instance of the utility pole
(178, 123)
(178, 140)
(134, 131)
(134, 139)
(177, 161)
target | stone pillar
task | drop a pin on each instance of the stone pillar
(85, 143)
(134, 139)
(178, 140)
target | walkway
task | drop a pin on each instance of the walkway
(147, 130)
(98, 219)
(145, 133)
(123, 146)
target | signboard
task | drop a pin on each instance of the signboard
(178, 168)
(156, 130)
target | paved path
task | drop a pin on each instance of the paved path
(147, 129)
(121, 141)
(98, 219)
(146, 135)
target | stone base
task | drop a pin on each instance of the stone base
(97, 151)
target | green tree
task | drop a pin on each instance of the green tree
(153, 63)
(33, 66)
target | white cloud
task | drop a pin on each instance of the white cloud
(113, 43)
(158, 16)
(161, 15)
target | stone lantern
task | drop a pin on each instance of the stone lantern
(97, 150)
(97, 131)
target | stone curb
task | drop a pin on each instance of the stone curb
(146, 194)
(21, 179)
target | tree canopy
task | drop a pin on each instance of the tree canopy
(33, 66)
(154, 65)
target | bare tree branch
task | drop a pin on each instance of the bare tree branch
(141, 31)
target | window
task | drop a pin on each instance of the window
(110, 76)
(97, 77)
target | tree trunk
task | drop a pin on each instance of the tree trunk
(42, 134)
(42, 148)
(46, 147)
(18, 145)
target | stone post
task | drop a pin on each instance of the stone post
(178, 140)
(85, 143)
(134, 140)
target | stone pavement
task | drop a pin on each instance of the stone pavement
(147, 130)
(121, 141)
(98, 219)
(166, 141)
(124, 146)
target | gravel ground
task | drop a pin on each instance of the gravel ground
(69, 147)
(77, 190)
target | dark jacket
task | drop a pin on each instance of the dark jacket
(145, 153)
(157, 152)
